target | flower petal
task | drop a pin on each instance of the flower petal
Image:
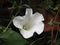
(28, 15)
(37, 17)
(17, 21)
(38, 28)
(27, 33)
(29, 12)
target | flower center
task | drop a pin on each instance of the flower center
(26, 27)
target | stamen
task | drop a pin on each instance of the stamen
(26, 27)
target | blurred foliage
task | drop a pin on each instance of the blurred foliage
(9, 35)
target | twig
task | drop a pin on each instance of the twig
(52, 35)
(57, 28)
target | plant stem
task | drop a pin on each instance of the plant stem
(52, 35)
(36, 41)
(11, 19)
(55, 22)
(56, 36)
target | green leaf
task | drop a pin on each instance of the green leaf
(12, 38)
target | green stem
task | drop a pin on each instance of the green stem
(55, 22)
(52, 21)
(11, 19)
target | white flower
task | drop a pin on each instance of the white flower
(29, 23)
